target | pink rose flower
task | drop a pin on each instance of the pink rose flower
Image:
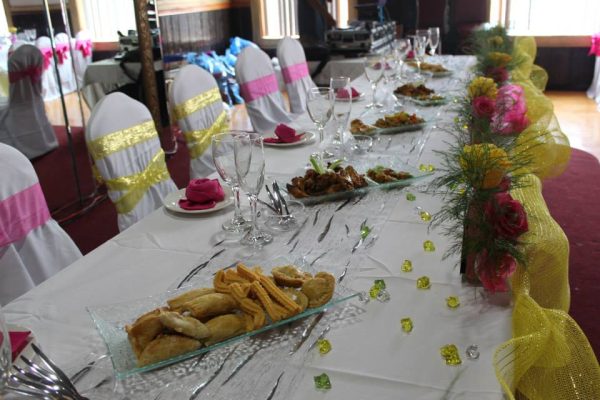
(510, 116)
(483, 106)
(507, 216)
(494, 272)
(498, 74)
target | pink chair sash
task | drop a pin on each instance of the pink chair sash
(258, 88)
(294, 72)
(21, 213)
(34, 73)
(85, 46)
(47, 54)
(595, 49)
(62, 52)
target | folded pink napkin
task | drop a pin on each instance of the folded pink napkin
(284, 134)
(202, 194)
(18, 341)
(343, 93)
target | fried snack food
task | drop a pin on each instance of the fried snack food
(187, 326)
(398, 119)
(177, 302)
(315, 184)
(227, 326)
(425, 66)
(278, 295)
(319, 290)
(299, 297)
(384, 175)
(167, 346)
(274, 313)
(288, 275)
(210, 304)
(420, 92)
(357, 127)
(249, 306)
(232, 276)
(144, 330)
(247, 273)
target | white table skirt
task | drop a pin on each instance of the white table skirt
(371, 358)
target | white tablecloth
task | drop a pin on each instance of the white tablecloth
(371, 356)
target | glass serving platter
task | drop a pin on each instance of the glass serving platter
(424, 102)
(110, 320)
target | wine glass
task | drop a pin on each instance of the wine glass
(374, 72)
(224, 159)
(5, 353)
(320, 108)
(250, 169)
(342, 107)
(434, 39)
(419, 43)
(401, 49)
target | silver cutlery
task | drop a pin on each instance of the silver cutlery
(194, 271)
(76, 377)
(281, 199)
(264, 203)
(274, 200)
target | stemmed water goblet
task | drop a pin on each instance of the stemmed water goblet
(250, 169)
(374, 65)
(224, 159)
(434, 39)
(320, 108)
(342, 107)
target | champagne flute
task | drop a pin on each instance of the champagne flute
(374, 72)
(5, 353)
(224, 159)
(320, 108)
(250, 169)
(401, 49)
(342, 107)
(434, 39)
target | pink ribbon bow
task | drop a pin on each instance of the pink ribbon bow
(34, 73)
(85, 46)
(47, 54)
(62, 52)
(595, 49)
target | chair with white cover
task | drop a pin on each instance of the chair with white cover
(23, 123)
(122, 140)
(259, 88)
(198, 108)
(33, 247)
(295, 73)
(49, 81)
(65, 63)
(82, 55)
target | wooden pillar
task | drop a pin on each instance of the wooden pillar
(77, 15)
(8, 13)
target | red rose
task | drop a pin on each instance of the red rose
(483, 107)
(504, 184)
(494, 272)
(498, 74)
(507, 216)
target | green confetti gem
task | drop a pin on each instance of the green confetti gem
(410, 196)
(423, 167)
(423, 283)
(430, 167)
(449, 353)
(379, 284)
(425, 216)
(452, 301)
(324, 346)
(407, 266)
(428, 246)
(374, 291)
(407, 325)
(322, 382)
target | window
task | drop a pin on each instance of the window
(278, 19)
(547, 17)
(103, 18)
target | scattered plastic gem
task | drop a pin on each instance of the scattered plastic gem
(383, 296)
(407, 325)
(427, 167)
(423, 283)
(425, 216)
(407, 266)
(428, 246)
(423, 167)
(452, 301)
(324, 346)
(363, 297)
(450, 353)
(373, 292)
(322, 382)
(472, 352)
(379, 283)
(410, 196)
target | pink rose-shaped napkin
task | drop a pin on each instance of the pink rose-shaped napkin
(18, 341)
(343, 93)
(285, 134)
(202, 194)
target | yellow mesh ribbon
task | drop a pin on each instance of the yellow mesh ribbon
(134, 186)
(198, 141)
(549, 357)
(194, 104)
(119, 140)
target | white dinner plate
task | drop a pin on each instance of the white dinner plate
(354, 99)
(307, 137)
(171, 202)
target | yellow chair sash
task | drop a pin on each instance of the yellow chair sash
(119, 140)
(134, 186)
(196, 103)
(199, 140)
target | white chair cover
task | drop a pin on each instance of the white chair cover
(258, 87)
(49, 81)
(33, 247)
(198, 109)
(65, 63)
(82, 55)
(594, 90)
(24, 124)
(123, 142)
(295, 73)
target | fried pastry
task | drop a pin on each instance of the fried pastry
(219, 282)
(232, 276)
(165, 347)
(278, 295)
(319, 290)
(144, 330)
(274, 313)
(176, 302)
(209, 305)
(247, 273)
(187, 326)
(299, 297)
(288, 275)
(249, 306)
(227, 326)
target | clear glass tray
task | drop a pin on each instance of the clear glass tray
(110, 321)
(424, 102)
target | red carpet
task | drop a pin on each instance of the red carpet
(572, 199)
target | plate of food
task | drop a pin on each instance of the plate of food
(398, 123)
(306, 138)
(420, 94)
(172, 202)
(237, 302)
(438, 70)
(358, 127)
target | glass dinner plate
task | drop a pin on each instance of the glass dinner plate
(171, 202)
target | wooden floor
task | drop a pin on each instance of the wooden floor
(578, 116)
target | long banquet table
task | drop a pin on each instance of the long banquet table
(371, 357)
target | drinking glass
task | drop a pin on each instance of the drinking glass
(250, 169)
(434, 39)
(5, 353)
(320, 108)
(401, 49)
(419, 43)
(224, 160)
(342, 107)
(374, 72)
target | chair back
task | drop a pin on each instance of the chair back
(82, 55)
(49, 82)
(294, 70)
(66, 69)
(122, 140)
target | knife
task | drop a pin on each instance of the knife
(281, 199)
